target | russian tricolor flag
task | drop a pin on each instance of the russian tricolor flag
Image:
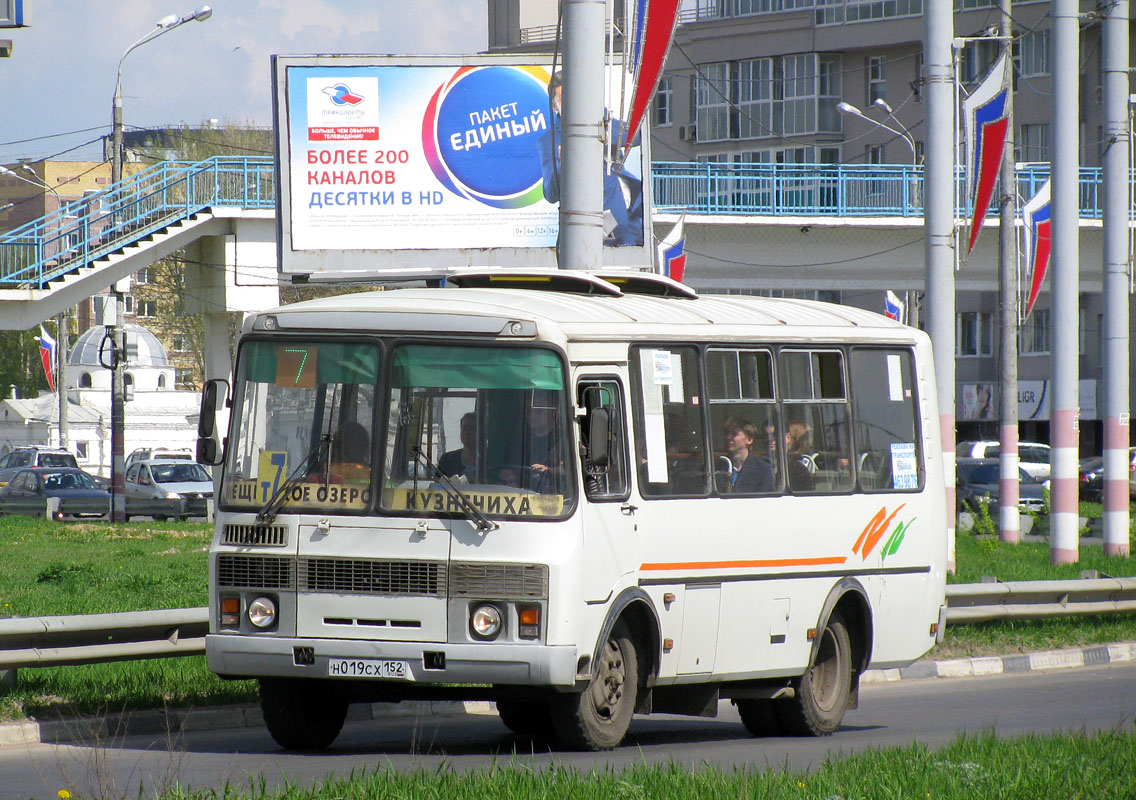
(1036, 219)
(47, 356)
(672, 252)
(893, 306)
(987, 122)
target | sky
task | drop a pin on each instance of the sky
(56, 89)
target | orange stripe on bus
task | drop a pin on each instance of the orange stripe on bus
(773, 562)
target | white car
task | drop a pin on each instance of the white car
(1033, 457)
(168, 487)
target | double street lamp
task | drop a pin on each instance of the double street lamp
(903, 133)
(114, 332)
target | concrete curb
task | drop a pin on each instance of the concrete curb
(112, 727)
(1001, 665)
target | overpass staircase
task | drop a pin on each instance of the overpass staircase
(88, 245)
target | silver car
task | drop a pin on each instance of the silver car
(168, 488)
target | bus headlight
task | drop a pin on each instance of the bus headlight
(485, 621)
(262, 612)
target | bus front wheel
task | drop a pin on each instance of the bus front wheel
(301, 714)
(823, 691)
(598, 717)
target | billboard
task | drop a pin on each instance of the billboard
(407, 166)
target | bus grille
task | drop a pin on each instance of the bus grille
(358, 576)
(499, 581)
(255, 535)
(255, 572)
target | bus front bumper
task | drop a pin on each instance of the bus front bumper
(245, 656)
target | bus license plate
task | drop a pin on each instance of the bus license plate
(367, 668)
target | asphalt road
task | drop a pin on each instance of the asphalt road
(932, 711)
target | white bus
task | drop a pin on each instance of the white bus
(581, 496)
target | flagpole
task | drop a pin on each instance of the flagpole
(61, 375)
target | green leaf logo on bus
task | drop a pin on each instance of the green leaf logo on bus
(877, 528)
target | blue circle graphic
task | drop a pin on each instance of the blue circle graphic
(494, 107)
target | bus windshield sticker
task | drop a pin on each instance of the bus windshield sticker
(895, 378)
(904, 469)
(507, 503)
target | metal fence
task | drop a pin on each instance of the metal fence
(92, 638)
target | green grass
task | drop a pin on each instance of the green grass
(54, 568)
(1071, 767)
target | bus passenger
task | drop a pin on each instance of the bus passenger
(797, 439)
(543, 439)
(462, 461)
(748, 471)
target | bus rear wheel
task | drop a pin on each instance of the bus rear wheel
(598, 717)
(824, 690)
(301, 714)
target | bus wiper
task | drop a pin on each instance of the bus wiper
(483, 523)
(315, 456)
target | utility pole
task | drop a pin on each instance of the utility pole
(1064, 411)
(1009, 517)
(1115, 167)
(583, 136)
(61, 374)
(939, 231)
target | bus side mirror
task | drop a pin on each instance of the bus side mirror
(208, 451)
(599, 428)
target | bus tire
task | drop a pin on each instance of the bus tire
(527, 718)
(598, 717)
(760, 717)
(301, 714)
(822, 693)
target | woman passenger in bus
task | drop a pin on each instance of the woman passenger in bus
(797, 439)
(748, 471)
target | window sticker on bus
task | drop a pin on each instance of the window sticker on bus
(320, 495)
(272, 468)
(508, 503)
(904, 470)
(895, 378)
(656, 436)
(664, 372)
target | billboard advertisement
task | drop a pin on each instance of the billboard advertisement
(413, 165)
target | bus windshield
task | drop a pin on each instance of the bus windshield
(490, 419)
(304, 407)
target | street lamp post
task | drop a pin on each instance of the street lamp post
(117, 334)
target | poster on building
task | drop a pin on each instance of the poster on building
(1034, 400)
(978, 402)
(420, 164)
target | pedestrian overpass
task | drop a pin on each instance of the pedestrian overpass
(773, 226)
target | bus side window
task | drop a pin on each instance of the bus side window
(603, 481)
(743, 421)
(670, 433)
(887, 445)
(816, 418)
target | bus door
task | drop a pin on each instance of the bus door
(608, 517)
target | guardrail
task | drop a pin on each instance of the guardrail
(93, 638)
(983, 602)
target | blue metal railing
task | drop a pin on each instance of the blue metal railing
(107, 221)
(102, 223)
(827, 190)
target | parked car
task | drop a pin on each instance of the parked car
(149, 453)
(1091, 477)
(1033, 457)
(25, 457)
(29, 489)
(978, 481)
(167, 488)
